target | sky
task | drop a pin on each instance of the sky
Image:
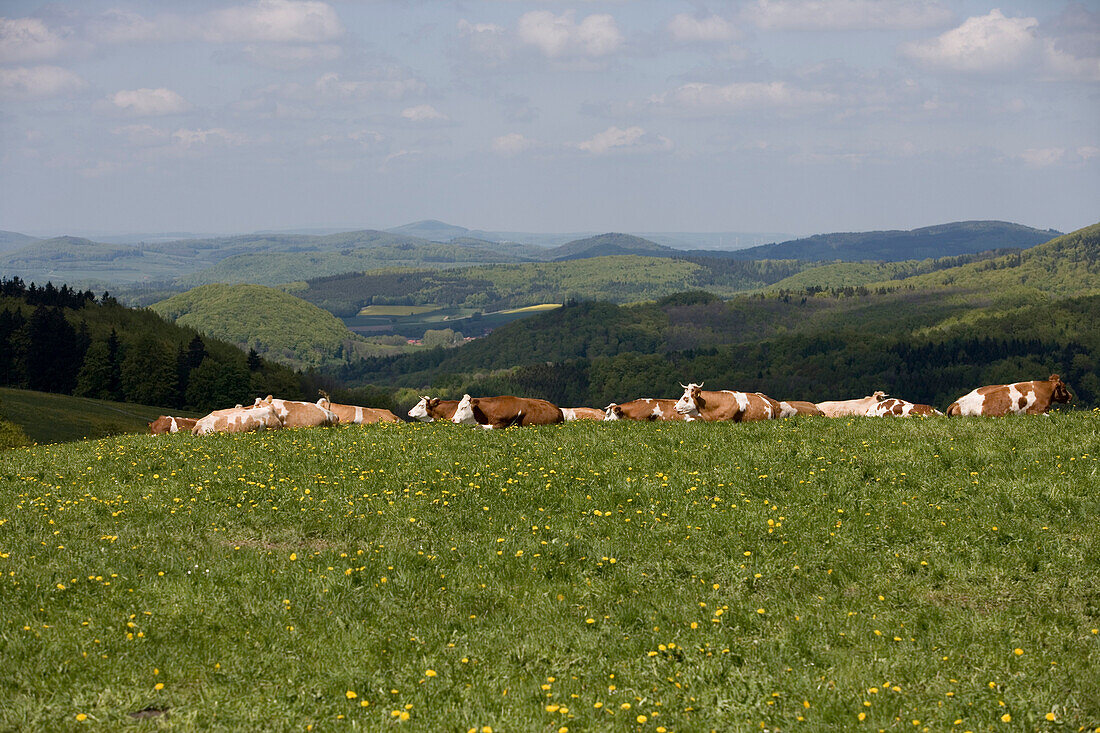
(798, 116)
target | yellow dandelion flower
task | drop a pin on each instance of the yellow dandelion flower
(81, 717)
(158, 686)
(1006, 718)
(430, 673)
(350, 694)
(641, 718)
(1018, 651)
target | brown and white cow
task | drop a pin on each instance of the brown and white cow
(295, 414)
(581, 413)
(504, 411)
(726, 405)
(238, 420)
(846, 408)
(356, 415)
(645, 409)
(1032, 398)
(169, 424)
(430, 409)
(893, 407)
(790, 409)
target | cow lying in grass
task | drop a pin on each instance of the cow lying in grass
(430, 409)
(893, 407)
(725, 405)
(356, 415)
(238, 420)
(505, 411)
(790, 409)
(998, 400)
(581, 413)
(169, 424)
(647, 408)
(295, 414)
(847, 408)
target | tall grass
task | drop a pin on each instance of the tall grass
(803, 574)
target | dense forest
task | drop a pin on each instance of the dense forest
(71, 342)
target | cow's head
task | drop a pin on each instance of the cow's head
(420, 409)
(691, 402)
(464, 413)
(879, 396)
(1061, 391)
(613, 412)
(324, 403)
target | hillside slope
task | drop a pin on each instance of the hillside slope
(1066, 266)
(943, 240)
(610, 244)
(274, 323)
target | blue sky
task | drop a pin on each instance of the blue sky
(797, 116)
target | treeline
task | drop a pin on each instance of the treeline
(64, 341)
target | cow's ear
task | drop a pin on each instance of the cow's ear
(432, 401)
(473, 401)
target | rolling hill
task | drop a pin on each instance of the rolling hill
(944, 240)
(10, 241)
(274, 323)
(609, 244)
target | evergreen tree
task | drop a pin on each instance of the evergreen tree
(95, 376)
(53, 356)
(148, 373)
(215, 385)
(253, 361)
(11, 338)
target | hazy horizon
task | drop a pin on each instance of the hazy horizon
(799, 116)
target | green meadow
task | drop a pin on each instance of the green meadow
(805, 574)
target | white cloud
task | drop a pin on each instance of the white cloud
(27, 39)
(511, 144)
(687, 28)
(391, 83)
(1060, 64)
(291, 56)
(629, 139)
(841, 15)
(215, 135)
(1087, 152)
(282, 21)
(122, 26)
(560, 35)
(704, 97)
(149, 102)
(38, 82)
(423, 113)
(982, 44)
(1042, 157)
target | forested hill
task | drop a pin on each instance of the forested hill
(274, 323)
(944, 240)
(72, 342)
(610, 244)
(14, 240)
(1067, 265)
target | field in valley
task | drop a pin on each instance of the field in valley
(796, 575)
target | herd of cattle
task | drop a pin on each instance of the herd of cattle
(1035, 398)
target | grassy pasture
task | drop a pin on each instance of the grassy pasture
(397, 310)
(804, 574)
(47, 418)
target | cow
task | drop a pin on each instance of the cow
(998, 400)
(169, 424)
(581, 413)
(429, 409)
(790, 409)
(356, 415)
(238, 420)
(846, 408)
(645, 409)
(726, 405)
(298, 414)
(504, 411)
(895, 407)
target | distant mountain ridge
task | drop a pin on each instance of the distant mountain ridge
(943, 240)
(10, 241)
